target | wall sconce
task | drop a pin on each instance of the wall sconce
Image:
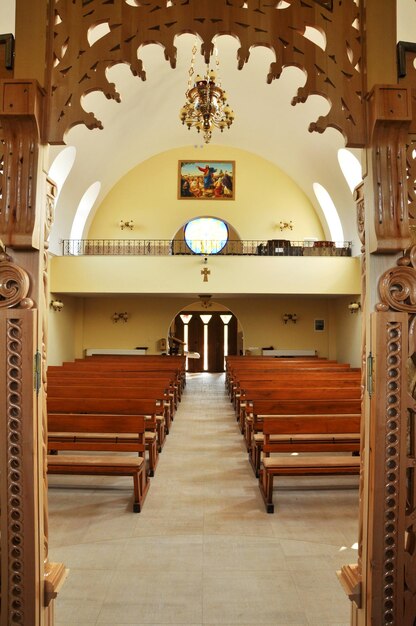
(290, 317)
(283, 225)
(354, 307)
(120, 317)
(57, 305)
(126, 224)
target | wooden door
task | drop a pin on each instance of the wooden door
(215, 340)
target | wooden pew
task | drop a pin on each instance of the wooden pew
(318, 392)
(267, 373)
(158, 387)
(125, 369)
(303, 465)
(260, 388)
(257, 409)
(163, 405)
(155, 421)
(100, 465)
(343, 436)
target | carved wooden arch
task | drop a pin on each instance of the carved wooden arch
(76, 68)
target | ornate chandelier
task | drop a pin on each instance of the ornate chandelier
(205, 106)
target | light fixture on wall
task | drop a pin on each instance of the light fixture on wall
(290, 317)
(205, 107)
(354, 307)
(284, 225)
(120, 317)
(57, 305)
(126, 224)
(205, 301)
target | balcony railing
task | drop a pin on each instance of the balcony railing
(166, 247)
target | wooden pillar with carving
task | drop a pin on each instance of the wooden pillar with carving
(381, 584)
(29, 582)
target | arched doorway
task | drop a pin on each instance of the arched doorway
(211, 335)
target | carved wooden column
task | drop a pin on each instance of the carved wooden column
(28, 580)
(381, 586)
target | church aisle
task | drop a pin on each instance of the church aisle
(203, 551)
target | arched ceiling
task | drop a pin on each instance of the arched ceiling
(146, 122)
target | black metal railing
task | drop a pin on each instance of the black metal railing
(166, 247)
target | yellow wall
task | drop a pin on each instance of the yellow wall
(264, 195)
(86, 323)
(65, 330)
(93, 288)
(182, 274)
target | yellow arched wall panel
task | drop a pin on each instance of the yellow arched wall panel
(264, 196)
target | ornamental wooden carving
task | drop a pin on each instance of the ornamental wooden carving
(20, 128)
(20, 514)
(397, 288)
(14, 284)
(390, 114)
(77, 68)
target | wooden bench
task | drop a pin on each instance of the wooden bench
(327, 433)
(257, 409)
(318, 392)
(169, 375)
(100, 465)
(301, 465)
(288, 380)
(124, 406)
(164, 405)
(158, 387)
(238, 378)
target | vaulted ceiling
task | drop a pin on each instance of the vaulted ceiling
(146, 122)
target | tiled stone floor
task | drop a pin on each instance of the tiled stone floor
(203, 551)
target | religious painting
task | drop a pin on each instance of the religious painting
(206, 180)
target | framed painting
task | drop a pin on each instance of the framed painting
(206, 180)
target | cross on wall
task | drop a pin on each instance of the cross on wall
(205, 272)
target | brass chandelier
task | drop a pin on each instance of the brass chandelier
(205, 107)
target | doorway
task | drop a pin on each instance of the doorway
(212, 335)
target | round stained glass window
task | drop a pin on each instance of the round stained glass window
(206, 235)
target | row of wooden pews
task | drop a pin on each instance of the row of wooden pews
(296, 405)
(112, 404)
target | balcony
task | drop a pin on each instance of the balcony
(163, 267)
(165, 247)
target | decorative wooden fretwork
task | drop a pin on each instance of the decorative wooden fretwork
(77, 68)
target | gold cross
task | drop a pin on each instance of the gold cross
(205, 273)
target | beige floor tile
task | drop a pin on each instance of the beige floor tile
(203, 551)
(245, 597)
(247, 554)
(174, 554)
(152, 597)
